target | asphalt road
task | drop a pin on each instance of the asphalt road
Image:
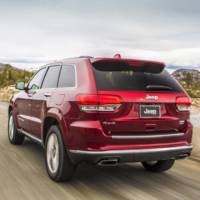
(23, 177)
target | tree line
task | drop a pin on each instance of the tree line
(10, 75)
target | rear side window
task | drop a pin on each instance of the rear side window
(67, 76)
(51, 78)
(125, 78)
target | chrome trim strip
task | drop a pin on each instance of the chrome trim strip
(133, 151)
(147, 136)
(30, 136)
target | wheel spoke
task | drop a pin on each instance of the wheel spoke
(53, 153)
(52, 163)
(11, 128)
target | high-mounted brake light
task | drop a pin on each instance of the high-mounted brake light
(117, 56)
(183, 103)
(105, 103)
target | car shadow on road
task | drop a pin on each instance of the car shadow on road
(95, 175)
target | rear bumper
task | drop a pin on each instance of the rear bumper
(90, 136)
(131, 155)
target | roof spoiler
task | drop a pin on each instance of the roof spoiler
(108, 64)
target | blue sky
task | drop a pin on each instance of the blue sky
(39, 31)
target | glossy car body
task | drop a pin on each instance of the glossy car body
(121, 135)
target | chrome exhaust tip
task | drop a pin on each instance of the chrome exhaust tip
(182, 156)
(108, 162)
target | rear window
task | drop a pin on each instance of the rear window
(67, 76)
(51, 78)
(126, 78)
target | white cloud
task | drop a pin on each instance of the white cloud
(182, 57)
(39, 31)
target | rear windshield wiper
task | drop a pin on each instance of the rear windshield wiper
(158, 87)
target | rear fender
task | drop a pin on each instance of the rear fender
(57, 115)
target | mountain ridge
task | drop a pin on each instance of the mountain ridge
(190, 80)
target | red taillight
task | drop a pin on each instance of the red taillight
(87, 99)
(183, 103)
(104, 99)
(104, 103)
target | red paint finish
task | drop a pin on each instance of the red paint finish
(93, 129)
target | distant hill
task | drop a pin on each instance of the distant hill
(1, 66)
(190, 80)
(173, 67)
(9, 75)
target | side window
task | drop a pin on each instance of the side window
(35, 83)
(67, 76)
(51, 78)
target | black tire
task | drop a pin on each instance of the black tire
(13, 135)
(158, 166)
(65, 168)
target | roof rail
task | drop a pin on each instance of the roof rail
(86, 57)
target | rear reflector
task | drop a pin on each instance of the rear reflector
(183, 103)
(105, 103)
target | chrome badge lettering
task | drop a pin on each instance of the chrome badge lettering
(151, 97)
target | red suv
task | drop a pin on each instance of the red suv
(104, 111)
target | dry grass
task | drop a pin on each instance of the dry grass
(7, 92)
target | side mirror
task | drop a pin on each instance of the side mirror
(20, 86)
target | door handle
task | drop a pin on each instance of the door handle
(30, 94)
(47, 94)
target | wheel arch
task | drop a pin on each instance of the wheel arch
(54, 118)
(10, 108)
